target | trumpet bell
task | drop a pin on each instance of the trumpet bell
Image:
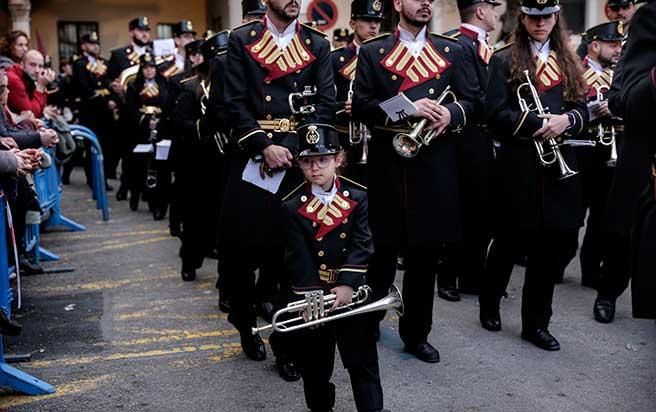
(406, 145)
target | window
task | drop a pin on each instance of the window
(165, 30)
(69, 33)
(574, 13)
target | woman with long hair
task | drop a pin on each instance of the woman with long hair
(539, 208)
(13, 47)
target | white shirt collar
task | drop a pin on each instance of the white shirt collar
(179, 60)
(414, 44)
(282, 39)
(482, 34)
(323, 196)
(594, 65)
(139, 49)
(357, 47)
(541, 50)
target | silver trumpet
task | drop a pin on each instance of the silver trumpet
(220, 139)
(313, 310)
(408, 144)
(552, 155)
(359, 133)
(304, 108)
(607, 137)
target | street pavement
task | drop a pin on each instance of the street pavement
(124, 333)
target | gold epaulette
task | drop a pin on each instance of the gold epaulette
(354, 183)
(444, 36)
(245, 24)
(183, 81)
(380, 36)
(317, 31)
(338, 49)
(504, 47)
(290, 194)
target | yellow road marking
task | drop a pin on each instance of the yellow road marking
(184, 335)
(118, 246)
(70, 236)
(101, 285)
(84, 360)
(159, 314)
(84, 385)
(182, 299)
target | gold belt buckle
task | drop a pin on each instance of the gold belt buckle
(328, 276)
(284, 125)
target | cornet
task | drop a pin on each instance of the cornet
(607, 137)
(358, 132)
(408, 144)
(304, 108)
(553, 154)
(313, 310)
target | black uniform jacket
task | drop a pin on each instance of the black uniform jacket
(530, 197)
(413, 201)
(327, 245)
(344, 61)
(216, 118)
(121, 59)
(92, 80)
(636, 99)
(139, 97)
(259, 79)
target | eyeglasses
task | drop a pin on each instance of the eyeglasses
(321, 161)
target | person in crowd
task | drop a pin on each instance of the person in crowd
(13, 47)
(28, 84)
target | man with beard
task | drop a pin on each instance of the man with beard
(596, 165)
(120, 60)
(28, 84)
(98, 102)
(267, 61)
(414, 205)
(366, 17)
(183, 34)
(636, 94)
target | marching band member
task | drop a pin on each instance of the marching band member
(414, 204)
(540, 208)
(635, 99)
(268, 61)
(328, 245)
(252, 10)
(147, 100)
(366, 17)
(597, 164)
(479, 17)
(183, 34)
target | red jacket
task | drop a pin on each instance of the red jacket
(22, 97)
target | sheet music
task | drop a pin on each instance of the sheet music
(399, 107)
(252, 175)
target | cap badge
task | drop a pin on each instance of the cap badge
(377, 5)
(312, 136)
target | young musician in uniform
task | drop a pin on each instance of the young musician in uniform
(597, 164)
(540, 207)
(328, 245)
(415, 206)
(366, 17)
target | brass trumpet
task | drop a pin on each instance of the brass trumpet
(607, 137)
(313, 310)
(408, 144)
(359, 133)
(304, 108)
(552, 155)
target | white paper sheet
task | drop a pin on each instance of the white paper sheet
(398, 107)
(251, 175)
(163, 147)
(143, 148)
(163, 47)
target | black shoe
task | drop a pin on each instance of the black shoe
(188, 275)
(542, 339)
(29, 268)
(134, 202)
(212, 254)
(287, 370)
(604, 310)
(589, 283)
(265, 311)
(449, 293)
(424, 352)
(175, 230)
(224, 304)
(7, 326)
(490, 320)
(159, 214)
(400, 263)
(252, 346)
(121, 193)
(108, 187)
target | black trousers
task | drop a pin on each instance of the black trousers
(615, 272)
(546, 252)
(315, 355)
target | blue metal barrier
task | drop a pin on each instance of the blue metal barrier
(10, 376)
(97, 168)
